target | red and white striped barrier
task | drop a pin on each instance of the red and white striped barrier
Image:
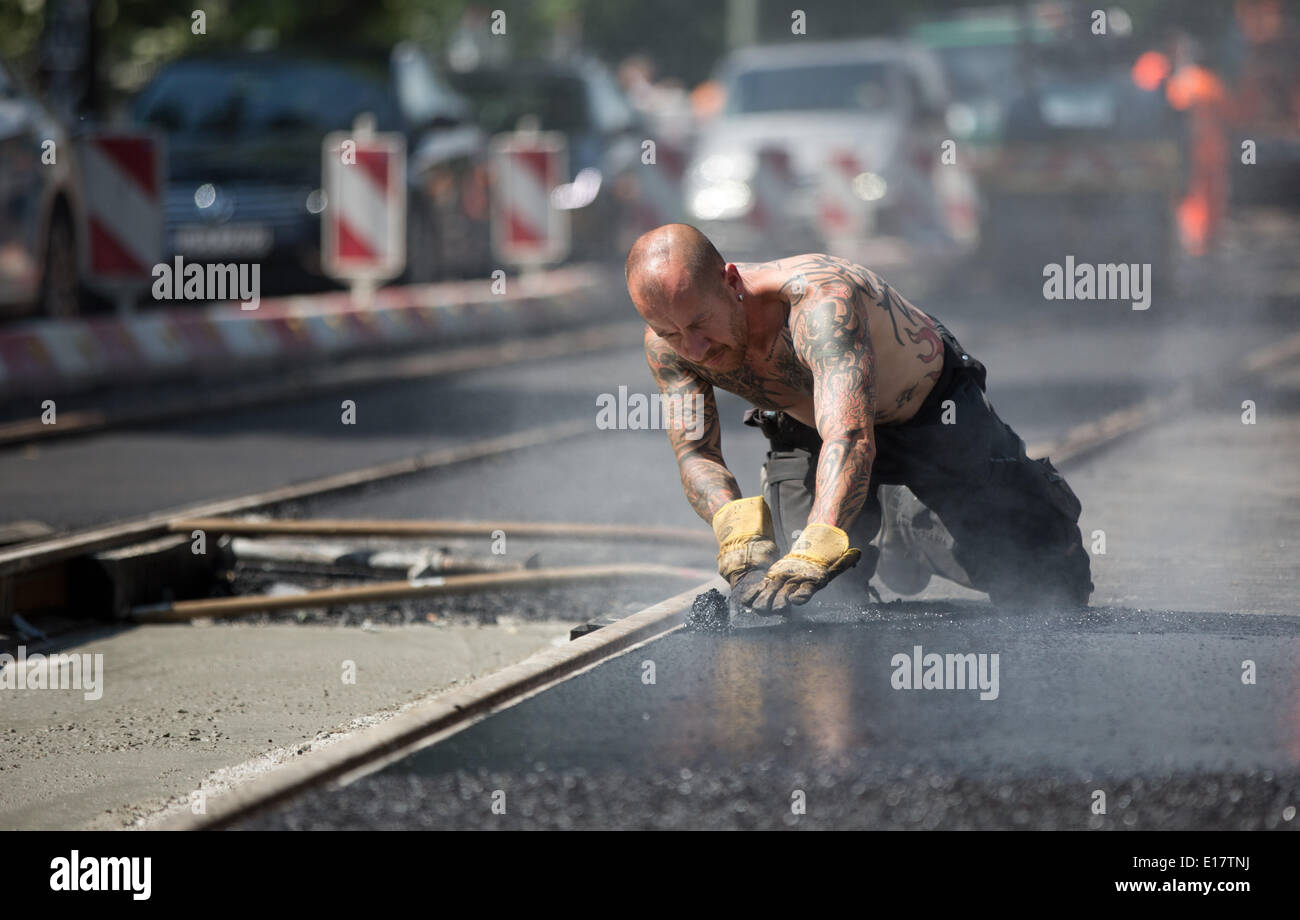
(1033, 168)
(527, 229)
(843, 215)
(772, 182)
(959, 203)
(363, 235)
(45, 357)
(122, 183)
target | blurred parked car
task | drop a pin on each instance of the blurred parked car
(40, 209)
(1090, 165)
(580, 99)
(881, 102)
(244, 134)
(981, 50)
(1266, 105)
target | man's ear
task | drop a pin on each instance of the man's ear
(731, 279)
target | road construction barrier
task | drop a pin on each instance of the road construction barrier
(846, 199)
(959, 202)
(772, 184)
(48, 357)
(123, 188)
(1055, 169)
(527, 229)
(363, 234)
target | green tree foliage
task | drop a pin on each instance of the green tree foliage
(686, 38)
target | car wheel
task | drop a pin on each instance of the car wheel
(60, 287)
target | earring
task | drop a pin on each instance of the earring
(740, 296)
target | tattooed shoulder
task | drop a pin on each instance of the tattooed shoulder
(817, 276)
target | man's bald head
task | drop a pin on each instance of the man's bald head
(683, 289)
(672, 260)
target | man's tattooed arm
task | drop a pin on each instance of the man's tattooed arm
(832, 337)
(707, 482)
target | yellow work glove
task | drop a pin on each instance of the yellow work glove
(820, 553)
(745, 546)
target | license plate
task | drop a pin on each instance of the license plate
(224, 240)
(1078, 110)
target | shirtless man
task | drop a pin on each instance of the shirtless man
(855, 389)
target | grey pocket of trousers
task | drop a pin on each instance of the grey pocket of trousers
(789, 477)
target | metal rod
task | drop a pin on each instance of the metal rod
(39, 554)
(486, 529)
(412, 562)
(397, 590)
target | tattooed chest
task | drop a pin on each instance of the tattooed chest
(779, 381)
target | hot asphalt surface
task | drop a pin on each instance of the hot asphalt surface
(1130, 715)
(1147, 708)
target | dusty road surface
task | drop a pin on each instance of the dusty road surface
(1171, 703)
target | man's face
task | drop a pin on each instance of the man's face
(708, 329)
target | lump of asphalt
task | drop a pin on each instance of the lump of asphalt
(708, 612)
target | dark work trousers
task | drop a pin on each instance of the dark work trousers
(1014, 520)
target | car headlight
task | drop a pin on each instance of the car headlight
(962, 119)
(869, 186)
(721, 200)
(737, 166)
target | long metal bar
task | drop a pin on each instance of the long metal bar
(415, 588)
(339, 527)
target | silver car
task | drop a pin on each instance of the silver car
(766, 172)
(40, 208)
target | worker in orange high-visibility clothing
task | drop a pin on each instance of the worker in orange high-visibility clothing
(1150, 70)
(1196, 90)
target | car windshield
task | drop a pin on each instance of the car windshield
(235, 98)
(852, 87)
(558, 101)
(981, 71)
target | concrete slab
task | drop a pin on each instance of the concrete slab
(182, 702)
